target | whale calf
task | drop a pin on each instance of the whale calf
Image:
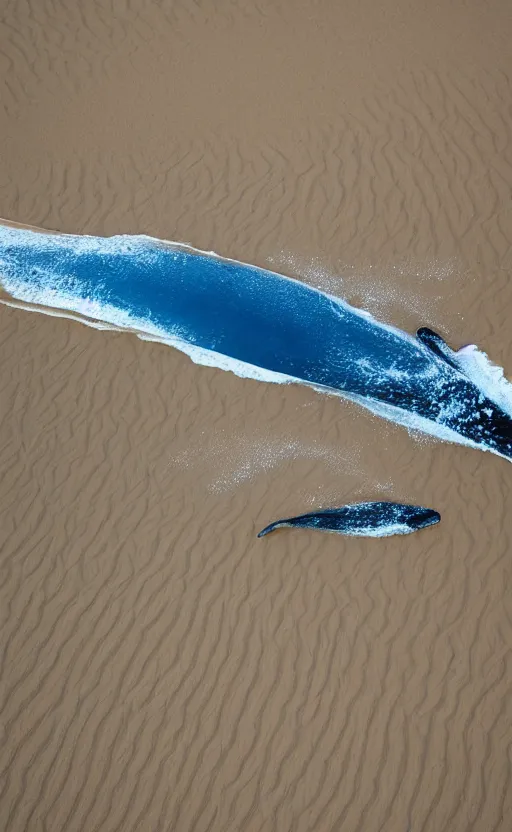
(380, 519)
(258, 324)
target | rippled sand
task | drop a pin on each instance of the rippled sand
(161, 668)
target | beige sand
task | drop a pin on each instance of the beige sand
(161, 668)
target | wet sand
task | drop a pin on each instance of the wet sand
(161, 668)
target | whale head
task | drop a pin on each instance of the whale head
(467, 410)
(418, 517)
(491, 427)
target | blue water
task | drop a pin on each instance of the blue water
(252, 317)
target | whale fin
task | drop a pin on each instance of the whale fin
(438, 346)
(475, 365)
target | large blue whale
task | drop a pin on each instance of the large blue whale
(256, 322)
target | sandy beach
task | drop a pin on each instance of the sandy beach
(160, 667)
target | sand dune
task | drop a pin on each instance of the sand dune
(160, 667)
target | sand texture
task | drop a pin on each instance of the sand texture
(161, 668)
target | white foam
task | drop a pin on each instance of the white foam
(381, 288)
(487, 376)
(237, 458)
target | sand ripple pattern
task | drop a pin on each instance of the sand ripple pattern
(428, 181)
(160, 668)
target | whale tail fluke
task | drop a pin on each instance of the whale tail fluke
(277, 525)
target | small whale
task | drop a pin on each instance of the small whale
(379, 519)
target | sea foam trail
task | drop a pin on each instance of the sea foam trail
(257, 324)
